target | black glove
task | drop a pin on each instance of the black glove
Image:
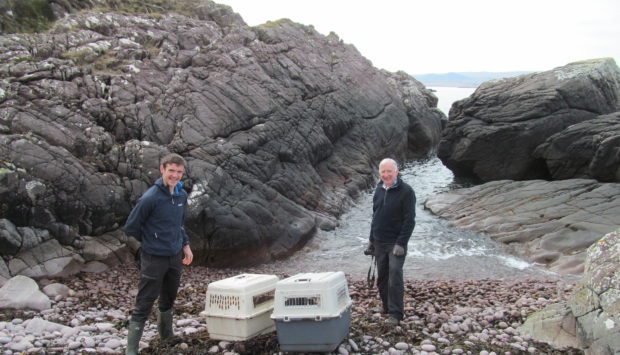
(398, 250)
(370, 249)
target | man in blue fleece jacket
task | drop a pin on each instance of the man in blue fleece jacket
(393, 220)
(157, 222)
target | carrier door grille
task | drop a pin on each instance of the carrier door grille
(224, 302)
(303, 301)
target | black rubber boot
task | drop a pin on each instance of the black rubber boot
(133, 337)
(164, 324)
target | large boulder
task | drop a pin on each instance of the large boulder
(589, 149)
(546, 222)
(494, 133)
(590, 318)
(21, 292)
(281, 127)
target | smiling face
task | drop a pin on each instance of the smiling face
(171, 174)
(388, 172)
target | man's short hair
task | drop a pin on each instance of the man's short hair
(172, 159)
(389, 161)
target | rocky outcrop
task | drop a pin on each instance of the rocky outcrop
(519, 128)
(589, 149)
(591, 314)
(281, 127)
(546, 222)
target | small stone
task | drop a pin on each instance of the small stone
(428, 347)
(113, 343)
(88, 342)
(401, 346)
(353, 345)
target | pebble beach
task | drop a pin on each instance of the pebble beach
(442, 317)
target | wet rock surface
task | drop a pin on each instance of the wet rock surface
(506, 128)
(442, 316)
(548, 222)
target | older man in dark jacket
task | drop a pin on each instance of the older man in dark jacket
(393, 221)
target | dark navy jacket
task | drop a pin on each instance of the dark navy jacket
(393, 213)
(157, 220)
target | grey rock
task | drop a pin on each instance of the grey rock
(555, 324)
(547, 222)
(594, 302)
(39, 326)
(56, 289)
(589, 149)
(589, 319)
(46, 259)
(10, 239)
(281, 126)
(4, 272)
(22, 292)
(493, 134)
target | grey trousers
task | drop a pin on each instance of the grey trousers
(160, 277)
(390, 279)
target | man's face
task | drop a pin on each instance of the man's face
(171, 174)
(388, 173)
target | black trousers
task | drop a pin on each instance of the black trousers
(160, 277)
(390, 279)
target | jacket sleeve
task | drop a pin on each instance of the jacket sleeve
(137, 218)
(183, 233)
(408, 209)
(370, 237)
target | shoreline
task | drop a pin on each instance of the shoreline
(449, 316)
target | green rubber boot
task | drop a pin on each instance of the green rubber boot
(164, 324)
(133, 337)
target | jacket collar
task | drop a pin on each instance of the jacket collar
(396, 183)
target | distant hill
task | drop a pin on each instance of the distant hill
(464, 79)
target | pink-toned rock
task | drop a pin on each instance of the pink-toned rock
(22, 292)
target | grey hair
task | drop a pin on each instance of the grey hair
(390, 161)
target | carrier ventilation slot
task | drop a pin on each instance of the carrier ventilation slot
(307, 301)
(224, 301)
(262, 298)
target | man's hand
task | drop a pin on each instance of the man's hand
(398, 250)
(188, 256)
(370, 249)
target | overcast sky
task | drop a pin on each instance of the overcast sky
(439, 36)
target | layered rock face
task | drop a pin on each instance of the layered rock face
(589, 149)
(281, 127)
(547, 222)
(520, 128)
(591, 317)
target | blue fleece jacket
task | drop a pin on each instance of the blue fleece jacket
(393, 217)
(157, 220)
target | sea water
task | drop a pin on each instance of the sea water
(436, 250)
(448, 95)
